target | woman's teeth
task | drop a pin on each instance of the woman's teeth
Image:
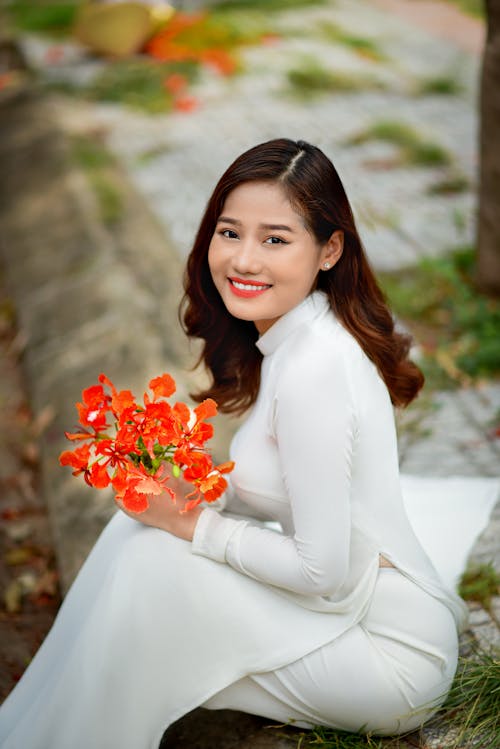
(249, 286)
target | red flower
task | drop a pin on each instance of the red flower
(95, 475)
(94, 408)
(206, 409)
(163, 387)
(145, 437)
(175, 83)
(77, 459)
(186, 103)
(134, 486)
(220, 60)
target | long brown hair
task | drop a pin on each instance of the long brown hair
(314, 189)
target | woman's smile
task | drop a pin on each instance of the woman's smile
(247, 289)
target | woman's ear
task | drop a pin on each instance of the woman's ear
(332, 250)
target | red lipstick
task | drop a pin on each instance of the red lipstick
(247, 289)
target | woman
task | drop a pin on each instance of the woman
(338, 616)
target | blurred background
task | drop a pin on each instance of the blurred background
(116, 120)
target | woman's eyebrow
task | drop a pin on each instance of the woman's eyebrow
(276, 227)
(272, 227)
(227, 220)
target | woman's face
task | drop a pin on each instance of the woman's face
(262, 258)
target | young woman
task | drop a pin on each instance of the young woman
(336, 615)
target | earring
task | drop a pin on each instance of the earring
(326, 266)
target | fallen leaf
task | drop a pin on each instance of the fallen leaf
(19, 555)
(42, 420)
(18, 531)
(47, 584)
(13, 597)
(31, 454)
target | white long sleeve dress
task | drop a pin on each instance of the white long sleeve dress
(298, 622)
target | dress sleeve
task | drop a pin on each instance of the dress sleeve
(231, 503)
(315, 430)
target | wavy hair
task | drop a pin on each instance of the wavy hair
(315, 191)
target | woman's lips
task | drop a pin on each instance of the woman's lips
(247, 289)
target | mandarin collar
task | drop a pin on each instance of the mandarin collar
(311, 307)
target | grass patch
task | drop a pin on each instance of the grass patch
(98, 165)
(472, 705)
(451, 184)
(266, 5)
(442, 84)
(456, 326)
(311, 79)
(359, 44)
(43, 15)
(471, 7)
(414, 150)
(481, 583)
(327, 738)
(139, 83)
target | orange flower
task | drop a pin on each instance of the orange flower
(146, 436)
(163, 386)
(175, 83)
(219, 60)
(165, 45)
(134, 486)
(182, 413)
(98, 476)
(198, 467)
(206, 409)
(226, 467)
(121, 401)
(94, 408)
(95, 475)
(186, 103)
(77, 459)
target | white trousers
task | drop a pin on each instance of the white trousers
(398, 662)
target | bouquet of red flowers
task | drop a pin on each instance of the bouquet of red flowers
(146, 438)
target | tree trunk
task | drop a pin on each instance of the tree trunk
(488, 256)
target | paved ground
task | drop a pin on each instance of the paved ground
(76, 317)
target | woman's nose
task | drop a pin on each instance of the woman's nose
(247, 259)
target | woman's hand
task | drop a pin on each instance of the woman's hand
(166, 514)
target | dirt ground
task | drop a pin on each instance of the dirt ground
(29, 596)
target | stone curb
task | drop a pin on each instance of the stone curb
(88, 299)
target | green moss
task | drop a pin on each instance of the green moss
(43, 15)
(138, 83)
(443, 85)
(97, 164)
(360, 44)
(451, 184)
(456, 325)
(414, 150)
(310, 79)
(90, 154)
(267, 5)
(480, 583)
(472, 7)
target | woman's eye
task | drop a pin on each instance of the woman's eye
(275, 240)
(229, 233)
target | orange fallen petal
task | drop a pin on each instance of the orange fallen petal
(186, 103)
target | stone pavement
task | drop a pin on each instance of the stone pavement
(174, 160)
(94, 297)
